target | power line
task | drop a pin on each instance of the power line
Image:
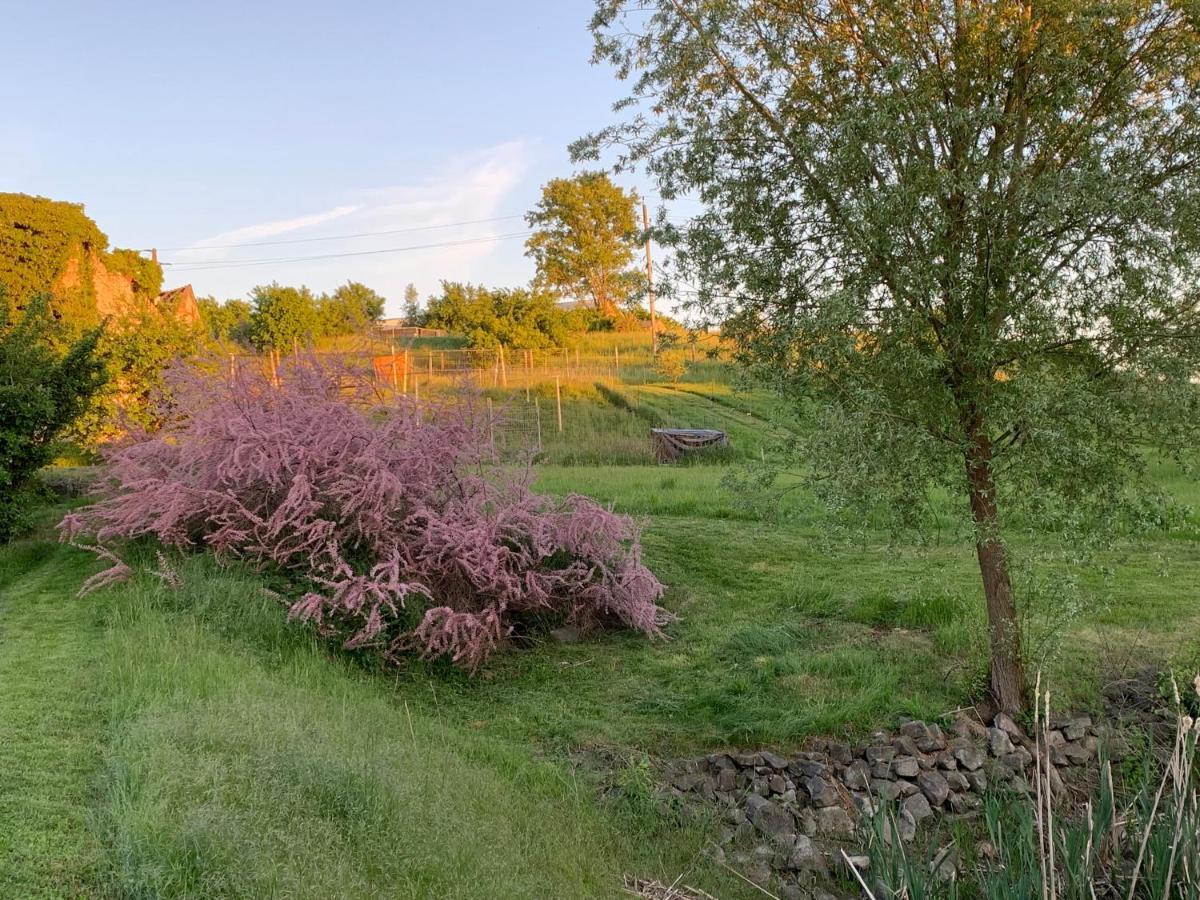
(336, 237)
(240, 263)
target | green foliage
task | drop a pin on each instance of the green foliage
(671, 366)
(41, 394)
(282, 316)
(518, 318)
(351, 309)
(951, 234)
(586, 232)
(37, 237)
(145, 273)
(228, 321)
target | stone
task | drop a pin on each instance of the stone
(945, 864)
(1005, 723)
(772, 820)
(736, 816)
(967, 726)
(907, 788)
(721, 761)
(692, 783)
(859, 863)
(808, 768)
(918, 807)
(568, 634)
(999, 743)
(777, 784)
(945, 760)
(885, 790)
(964, 802)
(1076, 729)
(727, 780)
(877, 755)
(905, 746)
(1054, 738)
(835, 822)
(804, 856)
(820, 791)
(969, 757)
(987, 850)
(1114, 744)
(905, 767)
(934, 743)
(882, 770)
(978, 781)
(857, 776)
(839, 752)
(864, 804)
(748, 760)
(957, 781)
(1076, 753)
(934, 786)
(776, 762)
(915, 730)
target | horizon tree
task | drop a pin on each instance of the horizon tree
(281, 316)
(961, 234)
(585, 237)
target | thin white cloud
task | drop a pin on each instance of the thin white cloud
(466, 188)
(277, 227)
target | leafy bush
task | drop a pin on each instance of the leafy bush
(41, 393)
(402, 536)
(519, 318)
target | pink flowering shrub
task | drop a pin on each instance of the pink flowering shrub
(385, 511)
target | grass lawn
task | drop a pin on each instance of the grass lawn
(185, 741)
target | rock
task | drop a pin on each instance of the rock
(1076, 729)
(918, 807)
(857, 776)
(808, 768)
(907, 788)
(692, 783)
(885, 790)
(804, 856)
(905, 767)
(772, 820)
(905, 746)
(879, 755)
(915, 730)
(935, 742)
(568, 634)
(1076, 753)
(748, 760)
(945, 864)
(945, 760)
(969, 757)
(721, 761)
(999, 742)
(906, 829)
(839, 752)
(964, 803)
(777, 784)
(864, 804)
(986, 850)
(776, 762)
(1005, 723)
(789, 891)
(788, 797)
(820, 791)
(882, 770)
(957, 781)
(934, 786)
(978, 781)
(1113, 743)
(1054, 738)
(835, 822)
(736, 816)
(967, 726)
(727, 780)
(859, 863)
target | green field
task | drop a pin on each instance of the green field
(187, 742)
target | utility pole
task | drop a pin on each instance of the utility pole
(650, 282)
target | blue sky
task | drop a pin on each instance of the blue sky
(203, 124)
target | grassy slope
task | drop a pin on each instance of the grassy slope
(188, 743)
(785, 632)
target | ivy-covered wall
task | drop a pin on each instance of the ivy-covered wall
(38, 240)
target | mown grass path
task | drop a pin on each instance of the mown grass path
(51, 727)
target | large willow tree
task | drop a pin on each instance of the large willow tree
(963, 233)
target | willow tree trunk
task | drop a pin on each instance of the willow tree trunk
(1008, 682)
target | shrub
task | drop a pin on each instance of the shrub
(386, 512)
(41, 394)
